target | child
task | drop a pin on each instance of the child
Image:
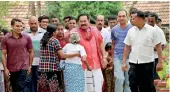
(73, 72)
(109, 71)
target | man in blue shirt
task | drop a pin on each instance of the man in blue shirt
(118, 35)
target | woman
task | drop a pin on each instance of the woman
(50, 51)
(73, 71)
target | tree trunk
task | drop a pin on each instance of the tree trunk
(32, 8)
(39, 8)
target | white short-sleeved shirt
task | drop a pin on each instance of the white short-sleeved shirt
(106, 36)
(74, 48)
(142, 44)
(36, 43)
(161, 37)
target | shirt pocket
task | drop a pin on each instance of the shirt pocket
(147, 42)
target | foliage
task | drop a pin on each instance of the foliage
(74, 8)
(166, 64)
(4, 6)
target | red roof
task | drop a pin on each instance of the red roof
(159, 7)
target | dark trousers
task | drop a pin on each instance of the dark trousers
(34, 71)
(156, 76)
(141, 77)
(20, 81)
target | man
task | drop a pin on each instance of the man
(131, 12)
(17, 57)
(66, 22)
(72, 24)
(36, 34)
(112, 21)
(152, 18)
(92, 41)
(140, 42)
(100, 26)
(146, 15)
(54, 20)
(118, 35)
(60, 35)
(159, 23)
(43, 21)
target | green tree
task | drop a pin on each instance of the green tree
(4, 6)
(74, 8)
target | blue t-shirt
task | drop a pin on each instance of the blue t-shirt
(118, 35)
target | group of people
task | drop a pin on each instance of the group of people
(118, 56)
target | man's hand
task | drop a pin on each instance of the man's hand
(124, 67)
(104, 62)
(7, 74)
(159, 66)
(29, 70)
(89, 68)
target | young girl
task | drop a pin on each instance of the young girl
(109, 71)
(73, 71)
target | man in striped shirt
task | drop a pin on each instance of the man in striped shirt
(118, 35)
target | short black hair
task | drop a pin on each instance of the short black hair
(15, 20)
(72, 18)
(159, 20)
(105, 22)
(112, 17)
(147, 13)
(67, 17)
(140, 14)
(123, 10)
(42, 17)
(153, 14)
(83, 15)
(132, 10)
(3, 30)
(108, 46)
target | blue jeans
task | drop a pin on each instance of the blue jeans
(34, 71)
(20, 81)
(122, 78)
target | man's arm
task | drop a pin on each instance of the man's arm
(125, 54)
(31, 56)
(104, 60)
(159, 52)
(113, 47)
(4, 52)
(6, 71)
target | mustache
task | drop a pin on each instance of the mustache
(99, 24)
(83, 25)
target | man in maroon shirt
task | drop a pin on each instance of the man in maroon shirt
(17, 57)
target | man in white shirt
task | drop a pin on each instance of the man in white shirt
(36, 33)
(152, 18)
(140, 42)
(100, 26)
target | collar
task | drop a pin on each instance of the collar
(144, 27)
(10, 35)
(40, 30)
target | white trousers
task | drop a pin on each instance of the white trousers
(93, 80)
